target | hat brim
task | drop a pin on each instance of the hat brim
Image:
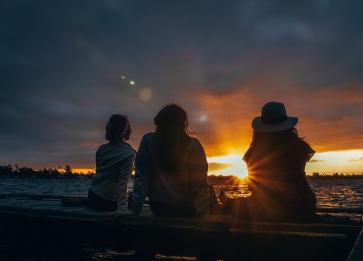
(259, 125)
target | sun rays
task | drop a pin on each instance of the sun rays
(232, 165)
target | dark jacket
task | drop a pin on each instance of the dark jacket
(185, 188)
(277, 179)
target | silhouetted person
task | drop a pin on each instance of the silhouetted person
(276, 163)
(171, 168)
(114, 163)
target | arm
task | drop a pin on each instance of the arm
(142, 166)
(125, 173)
(198, 182)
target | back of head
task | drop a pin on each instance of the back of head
(275, 134)
(118, 128)
(171, 138)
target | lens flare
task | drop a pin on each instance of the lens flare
(202, 117)
(145, 94)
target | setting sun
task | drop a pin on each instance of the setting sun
(227, 165)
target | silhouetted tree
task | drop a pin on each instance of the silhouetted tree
(6, 170)
(16, 168)
(26, 172)
(68, 170)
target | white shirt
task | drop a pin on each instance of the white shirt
(114, 165)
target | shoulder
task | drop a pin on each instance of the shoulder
(195, 144)
(194, 141)
(305, 145)
(304, 149)
(128, 148)
(148, 138)
(103, 147)
(108, 150)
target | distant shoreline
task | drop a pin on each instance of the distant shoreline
(212, 179)
(16, 172)
(335, 177)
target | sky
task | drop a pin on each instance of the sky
(66, 66)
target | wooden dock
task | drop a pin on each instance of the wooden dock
(39, 223)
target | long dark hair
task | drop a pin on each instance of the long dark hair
(276, 138)
(117, 128)
(171, 137)
(267, 142)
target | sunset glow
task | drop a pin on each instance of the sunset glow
(181, 130)
(83, 171)
(221, 70)
(227, 165)
(345, 161)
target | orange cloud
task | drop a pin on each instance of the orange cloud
(328, 117)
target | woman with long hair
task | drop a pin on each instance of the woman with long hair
(171, 168)
(276, 163)
(114, 164)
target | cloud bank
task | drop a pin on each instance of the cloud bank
(61, 64)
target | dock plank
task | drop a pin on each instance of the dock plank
(357, 252)
(54, 208)
(219, 234)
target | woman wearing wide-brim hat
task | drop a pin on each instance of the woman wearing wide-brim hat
(276, 163)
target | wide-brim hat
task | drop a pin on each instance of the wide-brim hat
(274, 118)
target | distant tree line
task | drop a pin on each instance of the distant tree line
(67, 172)
(26, 172)
(335, 175)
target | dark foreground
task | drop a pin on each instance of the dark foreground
(42, 229)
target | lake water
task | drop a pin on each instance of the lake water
(329, 192)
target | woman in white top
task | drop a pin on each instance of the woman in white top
(114, 164)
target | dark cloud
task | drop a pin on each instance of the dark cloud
(61, 63)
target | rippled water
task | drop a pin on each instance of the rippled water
(329, 192)
(338, 192)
